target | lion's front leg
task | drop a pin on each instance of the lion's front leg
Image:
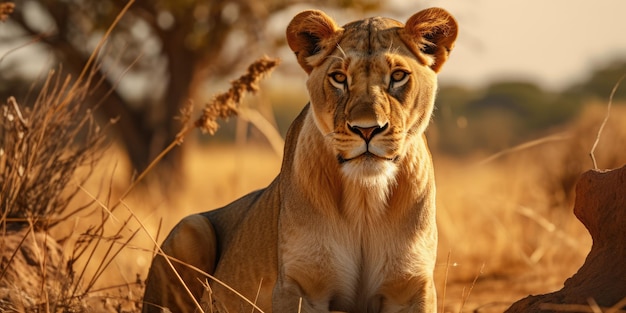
(290, 296)
(417, 295)
(192, 243)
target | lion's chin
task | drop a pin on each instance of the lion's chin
(370, 171)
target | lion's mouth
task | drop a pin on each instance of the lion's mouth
(367, 156)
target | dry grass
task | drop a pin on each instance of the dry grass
(42, 147)
(514, 214)
(48, 150)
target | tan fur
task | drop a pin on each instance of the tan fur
(349, 223)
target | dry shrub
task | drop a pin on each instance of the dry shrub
(48, 149)
(41, 149)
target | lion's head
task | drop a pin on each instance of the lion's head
(372, 83)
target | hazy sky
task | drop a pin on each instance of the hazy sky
(554, 42)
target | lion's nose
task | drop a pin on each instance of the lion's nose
(367, 132)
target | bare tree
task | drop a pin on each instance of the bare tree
(165, 49)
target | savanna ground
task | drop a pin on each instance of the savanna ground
(505, 223)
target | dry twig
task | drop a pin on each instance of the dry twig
(606, 118)
(469, 291)
(524, 146)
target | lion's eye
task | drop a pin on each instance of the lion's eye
(338, 80)
(399, 78)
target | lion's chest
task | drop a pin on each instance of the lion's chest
(359, 263)
(345, 265)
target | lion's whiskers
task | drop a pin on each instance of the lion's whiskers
(345, 56)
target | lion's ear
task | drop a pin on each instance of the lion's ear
(310, 33)
(431, 32)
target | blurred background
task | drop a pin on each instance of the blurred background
(526, 66)
(520, 103)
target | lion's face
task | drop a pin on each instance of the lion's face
(372, 83)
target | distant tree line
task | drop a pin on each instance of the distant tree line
(506, 113)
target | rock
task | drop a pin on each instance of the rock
(31, 265)
(601, 206)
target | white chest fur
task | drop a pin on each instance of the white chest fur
(344, 262)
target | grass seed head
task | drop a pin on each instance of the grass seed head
(224, 105)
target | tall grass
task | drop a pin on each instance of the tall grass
(48, 150)
(41, 149)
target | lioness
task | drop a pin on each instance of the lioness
(349, 223)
